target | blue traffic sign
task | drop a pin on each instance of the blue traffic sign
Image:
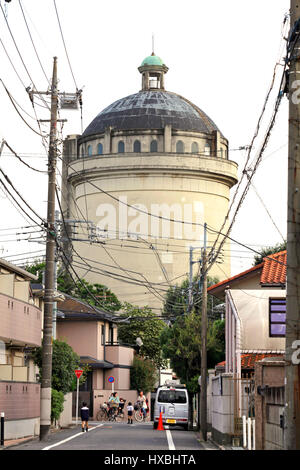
(111, 379)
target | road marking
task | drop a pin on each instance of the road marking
(70, 438)
(170, 440)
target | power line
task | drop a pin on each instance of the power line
(64, 43)
(32, 42)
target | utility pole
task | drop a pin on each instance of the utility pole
(54, 319)
(292, 369)
(203, 391)
(190, 304)
(45, 421)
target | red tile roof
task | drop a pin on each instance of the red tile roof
(248, 360)
(237, 276)
(274, 272)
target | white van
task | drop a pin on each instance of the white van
(173, 401)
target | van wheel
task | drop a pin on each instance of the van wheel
(186, 427)
(155, 425)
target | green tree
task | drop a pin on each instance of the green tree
(143, 374)
(270, 250)
(181, 343)
(144, 324)
(176, 302)
(37, 269)
(94, 294)
(64, 363)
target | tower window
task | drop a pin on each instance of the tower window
(179, 146)
(121, 147)
(153, 146)
(137, 146)
(100, 149)
(195, 147)
(89, 150)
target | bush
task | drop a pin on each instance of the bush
(57, 404)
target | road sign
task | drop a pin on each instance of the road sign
(78, 373)
(111, 379)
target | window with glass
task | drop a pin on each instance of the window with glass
(102, 335)
(195, 147)
(100, 149)
(111, 335)
(153, 146)
(172, 396)
(137, 146)
(179, 146)
(89, 150)
(121, 146)
(277, 317)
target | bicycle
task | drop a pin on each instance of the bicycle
(139, 414)
(103, 414)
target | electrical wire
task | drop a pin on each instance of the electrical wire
(64, 43)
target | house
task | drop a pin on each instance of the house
(92, 333)
(20, 332)
(255, 314)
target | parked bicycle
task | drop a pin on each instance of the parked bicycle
(110, 412)
(103, 413)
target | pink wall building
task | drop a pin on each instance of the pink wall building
(92, 333)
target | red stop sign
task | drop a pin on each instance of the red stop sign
(78, 373)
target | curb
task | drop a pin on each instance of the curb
(15, 444)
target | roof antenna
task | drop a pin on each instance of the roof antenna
(152, 44)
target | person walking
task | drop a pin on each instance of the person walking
(129, 412)
(85, 415)
(142, 402)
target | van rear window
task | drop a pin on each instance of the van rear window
(171, 396)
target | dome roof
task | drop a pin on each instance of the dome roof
(152, 60)
(151, 110)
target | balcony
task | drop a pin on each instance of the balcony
(13, 373)
(20, 322)
(119, 355)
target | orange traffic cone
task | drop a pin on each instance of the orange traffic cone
(160, 426)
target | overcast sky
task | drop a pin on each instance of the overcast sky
(221, 56)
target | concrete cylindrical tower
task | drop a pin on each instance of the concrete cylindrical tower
(146, 161)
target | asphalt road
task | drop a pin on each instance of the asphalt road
(118, 437)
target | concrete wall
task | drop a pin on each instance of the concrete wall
(222, 405)
(21, 428)
(226, 411)
(82, 337)
(65, 419)
(201, 184)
